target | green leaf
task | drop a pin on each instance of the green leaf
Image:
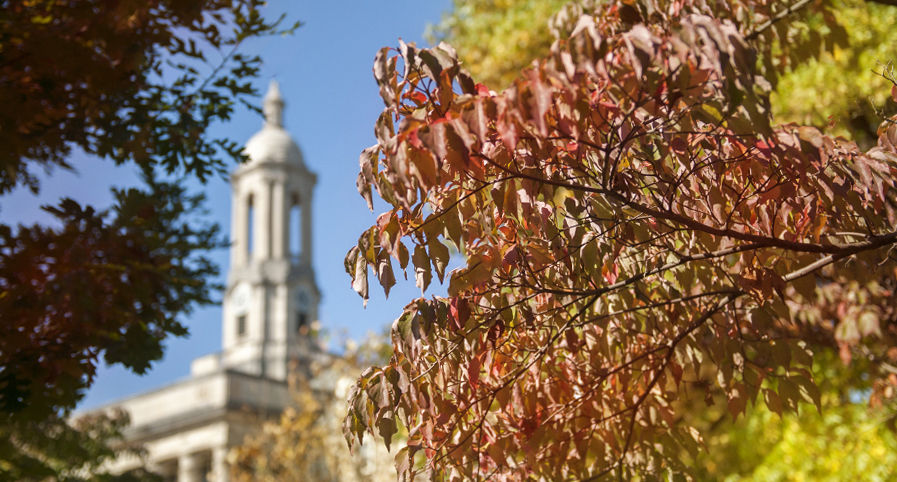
(737, 399)
(422, 273)
(439, 256)
(384, 73)
(789, 394)
(868, 324)
(360, 278)
(808, 390)
(403, 461)
(384, 272)
(772, 401)
(386, 426)
(402, 255)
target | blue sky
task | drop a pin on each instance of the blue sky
(324, 71)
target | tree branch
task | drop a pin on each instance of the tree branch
(779, 16)
(794, 8)
(670, 347)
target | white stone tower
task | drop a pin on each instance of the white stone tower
(271, 295)
(271, 298)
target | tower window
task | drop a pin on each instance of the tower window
(302, 323)
(250, 225)
(241, 326)
(295, 229)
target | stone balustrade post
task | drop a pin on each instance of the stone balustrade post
(190, 468)
(220, 469)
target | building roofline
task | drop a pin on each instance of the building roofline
(227, 372)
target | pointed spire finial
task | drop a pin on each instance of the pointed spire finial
(273, 105)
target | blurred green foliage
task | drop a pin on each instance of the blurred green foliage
(838, 86)
(497, 38)
(849, 440)
(846, 442)
(843, 86)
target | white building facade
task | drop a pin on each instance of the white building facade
(270, 301)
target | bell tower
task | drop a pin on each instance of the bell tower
(271, 296)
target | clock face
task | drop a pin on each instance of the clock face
(240, 298)
(303, 299)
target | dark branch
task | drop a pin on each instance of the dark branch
(779, 16)
(794, 8)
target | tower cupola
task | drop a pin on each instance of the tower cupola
(271, 296)
(273, 143)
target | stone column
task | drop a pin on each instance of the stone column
(190, 468)
(239, 229)
(220, 469)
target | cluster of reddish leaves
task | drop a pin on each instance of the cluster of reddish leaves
(630, 222)
(86, 74)
(127, 81)
(107, 285)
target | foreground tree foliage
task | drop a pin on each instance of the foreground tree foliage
(136, 83)
(839, 90)
(71, 451)
(105, 285)
(639, 241)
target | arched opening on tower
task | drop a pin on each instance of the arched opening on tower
(301, 322)
(241, 326)
(250, 227)
(295, 229)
